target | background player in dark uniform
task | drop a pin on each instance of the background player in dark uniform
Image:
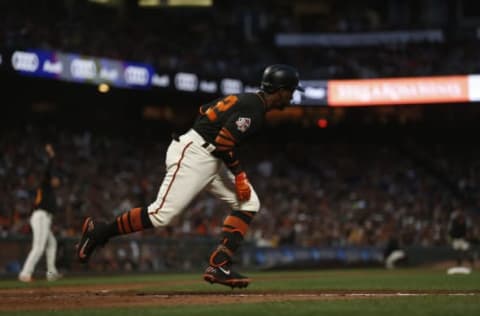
(459, 228)
(43, 240)
(205, 158)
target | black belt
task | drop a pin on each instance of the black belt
(175, 137)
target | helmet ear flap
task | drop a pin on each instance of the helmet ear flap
(267, 87)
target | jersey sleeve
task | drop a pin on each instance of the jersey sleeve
(239, 126)
(242, 124)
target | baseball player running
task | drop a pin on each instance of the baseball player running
(205, 158)
(43, 241)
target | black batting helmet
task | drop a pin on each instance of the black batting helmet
(280, 76)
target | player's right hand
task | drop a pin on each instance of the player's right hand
(242, 186)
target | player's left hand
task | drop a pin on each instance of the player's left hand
(242, 186)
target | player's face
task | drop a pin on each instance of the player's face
(284, 99)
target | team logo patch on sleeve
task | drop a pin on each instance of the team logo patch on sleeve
(243, 123)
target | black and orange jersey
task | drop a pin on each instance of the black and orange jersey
(226, 122)
(45, 198)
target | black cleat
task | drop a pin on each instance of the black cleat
(91, 239)
(226, 276)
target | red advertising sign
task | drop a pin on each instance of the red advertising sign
(398, 91)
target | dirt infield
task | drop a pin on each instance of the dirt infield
(131, 295)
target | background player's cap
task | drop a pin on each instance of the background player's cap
(280, 76)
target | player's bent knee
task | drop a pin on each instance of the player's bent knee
(253, 205)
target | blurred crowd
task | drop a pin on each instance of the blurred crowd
(234, 38)
(312, 194)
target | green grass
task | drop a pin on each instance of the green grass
(411, 306)
(116, 279)
(405, 279)
(408, 279)
(327, 280)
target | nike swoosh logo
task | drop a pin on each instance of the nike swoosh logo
(81, 253)
(227, 272)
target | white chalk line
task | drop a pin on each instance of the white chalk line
(357, 294)
(399, 294)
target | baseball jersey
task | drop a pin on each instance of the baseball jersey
(226, 122)
(45, 196)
